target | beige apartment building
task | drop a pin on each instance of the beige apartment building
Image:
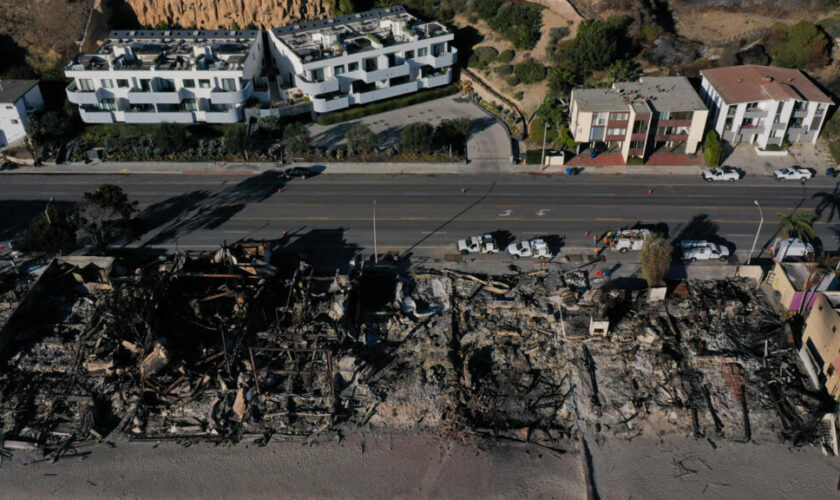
(820, 351)
(637, 119)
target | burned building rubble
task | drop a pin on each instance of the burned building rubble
(249, 341)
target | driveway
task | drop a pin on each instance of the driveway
(488, 139)
(805, 155)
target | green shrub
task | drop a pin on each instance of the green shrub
(772, 147)
(519, 95)
(533, 156)
(388, 105)
(360, 140)
(504, 70)
(506, 56)
(529, 71)
(487, 8)
(635, 160)
(482, 56)
(831, 26)
(170, 138)
(519, 23)
(512, 80)
(417, 138)
(712, 149)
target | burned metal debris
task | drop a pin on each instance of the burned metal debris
(248, 341)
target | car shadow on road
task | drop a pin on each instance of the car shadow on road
(198, 210)
(450, 220)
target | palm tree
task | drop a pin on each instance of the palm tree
(797, 225)
(829, 201)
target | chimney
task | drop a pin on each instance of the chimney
(766, 79)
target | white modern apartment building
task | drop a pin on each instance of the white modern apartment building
(361, 58)
(764, 105)
(655, 114)
(18, 100)
(177, 76)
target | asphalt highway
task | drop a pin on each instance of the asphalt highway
(425, 215)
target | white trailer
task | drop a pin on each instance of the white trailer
(628, 239)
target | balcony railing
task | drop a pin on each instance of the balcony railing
(327, 105)
(231, 97)
(316, 88)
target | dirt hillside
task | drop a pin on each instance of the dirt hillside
(212, 14)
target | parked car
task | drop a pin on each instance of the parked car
(694, 250)
(793, 173)
(627, 239)
(730, 174)
(832, 172)
(302, 172)
(536, 248)
(478, 244)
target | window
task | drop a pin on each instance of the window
(422, 52)
(640, 126)
(752, 106)
(680, 115)
(85, 85)
(409, 54)
(339, 70)
(220, 108)
(228, 84)
(316, 75)
(616, 131)
(204, 84)
(167, 84)
(9, 107)
(145, 85)
(438, 49)
(123, 84)
(15, 122)
(107, 83)
(188, 105)
(663, 115)
(600, 119)
(637, 144)
(189, 84)
(619, 117)
(107, 105)
(370, 64)
(353, 66)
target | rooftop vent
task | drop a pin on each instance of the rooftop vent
(791, 79)
(766, 79)
(740, 80)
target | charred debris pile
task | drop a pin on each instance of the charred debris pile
(245, 341)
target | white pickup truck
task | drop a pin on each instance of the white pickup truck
(626, 240)
(694, 250)
(791, 247)
(536, 248)
(478, 244)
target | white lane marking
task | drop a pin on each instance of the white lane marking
(506, 213)
(236, 232)
(739, 235)
(542, 212)
(432, 232)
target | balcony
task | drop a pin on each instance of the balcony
(671, 137)
(435, 81)
(136, 96)
(443, 60)
(96, 116)
(231, 116)
(386, 73)
(81, 96)
(755, 113)
(231, 97)
(327, 105)
(152, 117)
(316, 88)
(385, 93)
(674, 123)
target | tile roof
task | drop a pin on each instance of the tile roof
(750, 83)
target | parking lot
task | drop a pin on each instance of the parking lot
(488, 139)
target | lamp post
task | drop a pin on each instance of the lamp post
(761, 222)
(375, 250)
(46, 211)
(545, 133)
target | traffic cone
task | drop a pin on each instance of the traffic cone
(284, 233)
(586, 234)
(463, 190)
(650, 192)
(280, 190)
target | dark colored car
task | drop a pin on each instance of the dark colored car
(302, 172)
(832, 172)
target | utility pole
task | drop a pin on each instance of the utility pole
(761, 222)
(375, 250)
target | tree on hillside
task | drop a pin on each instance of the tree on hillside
(656, 259)
(624, 71)
(107, 216)
(360, 140)
(802, 46)
(595, 46)
(452, 135)
(796, 225)
(712, 149)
